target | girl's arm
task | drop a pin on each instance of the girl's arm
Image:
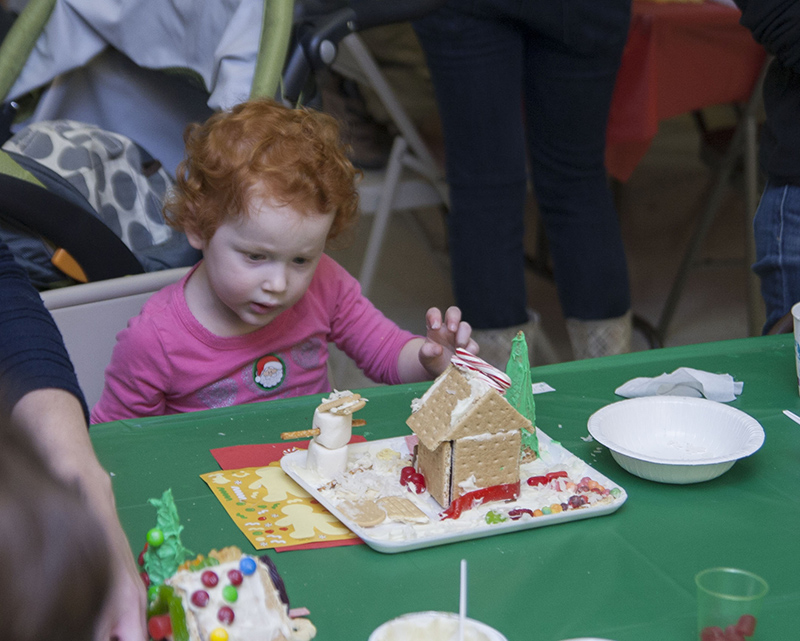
(423, 359)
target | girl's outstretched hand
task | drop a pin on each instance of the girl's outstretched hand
(443, 337)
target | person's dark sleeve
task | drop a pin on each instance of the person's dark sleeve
(775, 24)
(32, 352)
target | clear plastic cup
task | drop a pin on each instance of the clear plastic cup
(728, 598)
(433, 626)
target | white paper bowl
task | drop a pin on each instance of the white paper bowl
(675, 439)
(433, 626)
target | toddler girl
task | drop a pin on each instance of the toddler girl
(262, 191)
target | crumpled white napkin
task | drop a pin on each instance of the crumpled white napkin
(684, 381)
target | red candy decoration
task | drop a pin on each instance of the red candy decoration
(417, 483)
(235, 577)
(732, 634)
(406, 473)
(503, 492)
(209, 578)
(537, 480)
(145, 577)
(517, 513)
(159, 627)
(712, 633)
(141, 554)
(225, 615)
(746, 625)
(200, 598)
(561, 474)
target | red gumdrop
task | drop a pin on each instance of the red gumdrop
(209, 578)
(406, 473)
(225, 615)
(746, 625)
(712, 633)
(235, 577)
(732, 634)
(159, 627)
(417, 483)
(145, 577)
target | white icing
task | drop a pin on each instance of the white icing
(252, 620)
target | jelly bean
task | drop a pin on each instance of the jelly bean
(732, 634)
(155, 537)
(555, 508)
(235, 577)
(145, 577)
(141, 555)
(615, 492)
(538, 513)
(546, 509)
(230, 594)
(746, 625)
(712, 633)
(200, 598)
(537, 480)
(218, 634)
(159, 627)
(225, 615)
(247, 565)
(152, 593)
(209, 578)
(493, 517)
(518, 512)
(564, 507)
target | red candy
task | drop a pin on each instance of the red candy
(159, 627)
(200, 598)
(517, 513)
(209, 578)
(732, 634)
(417, 483)
(141, 554)
(145, 577)
(406, 473)
(712, 633)
(503, 492)
(225, 615)
(557, 475)
(746, 625)
(235, 577)
(537, 480)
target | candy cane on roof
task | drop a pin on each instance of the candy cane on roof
(495, 377)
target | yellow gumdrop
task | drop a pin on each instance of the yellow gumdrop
(218, 634)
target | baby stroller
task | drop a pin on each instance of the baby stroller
(40, 204)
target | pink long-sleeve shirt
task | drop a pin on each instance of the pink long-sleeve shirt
(166, 362)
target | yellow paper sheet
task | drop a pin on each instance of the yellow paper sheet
(271, 509)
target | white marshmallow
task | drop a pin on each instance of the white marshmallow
(335, 430)
(327, 463)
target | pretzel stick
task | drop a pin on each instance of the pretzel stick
(326, 407)
(359, 422)
(314, 431)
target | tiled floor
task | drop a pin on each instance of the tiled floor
(658, 210)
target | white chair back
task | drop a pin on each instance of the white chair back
(90, 316)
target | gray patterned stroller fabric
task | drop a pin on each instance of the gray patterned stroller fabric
(107, 175)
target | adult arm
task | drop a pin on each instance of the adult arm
(40, 394)
(775, 24)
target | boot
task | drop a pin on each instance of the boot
(495, 344)
(605, 337)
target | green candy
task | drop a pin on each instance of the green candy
(155, 537)
(493, 517)
(230, 594)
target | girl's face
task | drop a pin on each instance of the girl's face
(256, 267)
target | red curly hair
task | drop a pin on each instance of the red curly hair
(289, 156)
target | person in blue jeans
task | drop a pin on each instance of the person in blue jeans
(527, 84)
(776, 25)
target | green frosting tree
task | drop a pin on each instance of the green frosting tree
(520, 394)
(162, 561)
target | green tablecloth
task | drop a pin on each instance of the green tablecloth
(628, 576)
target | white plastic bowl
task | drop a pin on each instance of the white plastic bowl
(433, 626)
(675, 439)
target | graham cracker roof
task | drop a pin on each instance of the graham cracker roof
(483, 412)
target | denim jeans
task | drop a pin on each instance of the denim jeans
(777, 233)
(526, 85)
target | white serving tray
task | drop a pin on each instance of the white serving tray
(393, 537)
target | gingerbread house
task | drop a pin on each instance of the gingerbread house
(469, 436)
